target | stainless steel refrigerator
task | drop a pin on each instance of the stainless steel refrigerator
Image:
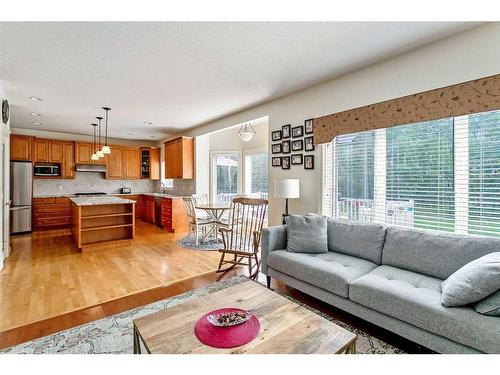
(21, 189)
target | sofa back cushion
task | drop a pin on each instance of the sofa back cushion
(362, 240)
(434, 254)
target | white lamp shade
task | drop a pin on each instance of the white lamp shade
(287, 188)
(100, 154)
(106, 150)
(94, 157)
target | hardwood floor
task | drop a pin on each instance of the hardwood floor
(46, 276)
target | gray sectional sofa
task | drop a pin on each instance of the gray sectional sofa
(390, 277)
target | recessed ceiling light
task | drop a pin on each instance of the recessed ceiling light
(37, 123)
(36, 114)
(152, 136)
(148, 123)
(130, 134)
(36, 98)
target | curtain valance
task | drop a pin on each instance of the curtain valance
(479, 95)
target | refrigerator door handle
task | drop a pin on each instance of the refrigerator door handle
(20, 208)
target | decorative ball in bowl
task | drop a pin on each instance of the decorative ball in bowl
(229, 319)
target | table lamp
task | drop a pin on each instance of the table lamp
(287, 188)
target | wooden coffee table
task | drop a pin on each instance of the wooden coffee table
(286, 327)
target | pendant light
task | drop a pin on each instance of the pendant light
(99, 152)
(105, 148)
(94, 155)
(246, 132)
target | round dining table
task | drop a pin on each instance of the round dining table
(215, 211)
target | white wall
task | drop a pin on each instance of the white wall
(4, 185)
(466, 56)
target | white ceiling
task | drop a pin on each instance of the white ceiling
(181, 75)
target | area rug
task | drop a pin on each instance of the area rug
(113, 334)
(189, 242)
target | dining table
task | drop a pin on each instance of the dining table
(215, 212)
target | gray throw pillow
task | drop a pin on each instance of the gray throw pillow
(490, 305)
(307, 234)
(473, 282)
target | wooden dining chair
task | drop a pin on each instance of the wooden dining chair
(241, 238)
(196, 223)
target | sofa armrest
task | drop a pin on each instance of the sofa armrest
(273, 238)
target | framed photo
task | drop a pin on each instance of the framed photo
(276, 148)
(276, 162)
(309, 143)
(276, 135)
(297, 131)
(285, 162)
(296, 159)
(286, 131)
(297, 145)
(308, 126)
(285, 147)
(309, 162)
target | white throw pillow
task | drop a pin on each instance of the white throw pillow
(473, 282)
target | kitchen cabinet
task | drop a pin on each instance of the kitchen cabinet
(48, 151)
(150, 163)
(148, 209)
(49, 213)
(179, 158)
(114, 162)
(68, 165)
(20, 147)
(132, 163)
(83, 154)
(173, 215)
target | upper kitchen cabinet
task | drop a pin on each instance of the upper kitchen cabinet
(20, 147)
(150, 163)
(48, 151)
(179, 158)
(132, 163)
(84, 152)
(114, 162)
(68, 170)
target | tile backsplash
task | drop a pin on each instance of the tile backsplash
(90, 182)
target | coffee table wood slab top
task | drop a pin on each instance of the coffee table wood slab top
(286, 327)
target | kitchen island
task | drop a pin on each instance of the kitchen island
(102, 222)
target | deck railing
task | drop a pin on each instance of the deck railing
(396, 212)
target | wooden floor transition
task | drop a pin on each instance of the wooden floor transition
(156, 261)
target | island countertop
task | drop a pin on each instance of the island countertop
(99, 200)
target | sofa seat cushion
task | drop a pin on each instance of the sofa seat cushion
(331, 271)
(416, 299)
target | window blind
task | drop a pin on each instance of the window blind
(441, 175)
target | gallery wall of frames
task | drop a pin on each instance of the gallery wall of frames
(291, 144)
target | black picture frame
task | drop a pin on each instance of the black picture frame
(308, 126)
(298, 145)
(276, 135)
(298, 131)
(276, 161)
(286, 131)
(296, 159)
(285, 162)
(309, 162)
(286, 147)
(276, 148)
(309, 143)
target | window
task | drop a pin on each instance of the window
(439, 175)
(225, 176)
(256, 177)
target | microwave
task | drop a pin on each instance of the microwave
(47, 170)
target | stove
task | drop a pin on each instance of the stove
(90, 194)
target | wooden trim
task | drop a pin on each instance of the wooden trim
(479, 95)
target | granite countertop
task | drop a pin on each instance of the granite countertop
(111, 194)
(100, 200)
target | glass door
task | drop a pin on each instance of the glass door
(256, 175)
(226, 176)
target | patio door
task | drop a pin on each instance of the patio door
(226, 176)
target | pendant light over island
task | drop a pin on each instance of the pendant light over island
(105, 148)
